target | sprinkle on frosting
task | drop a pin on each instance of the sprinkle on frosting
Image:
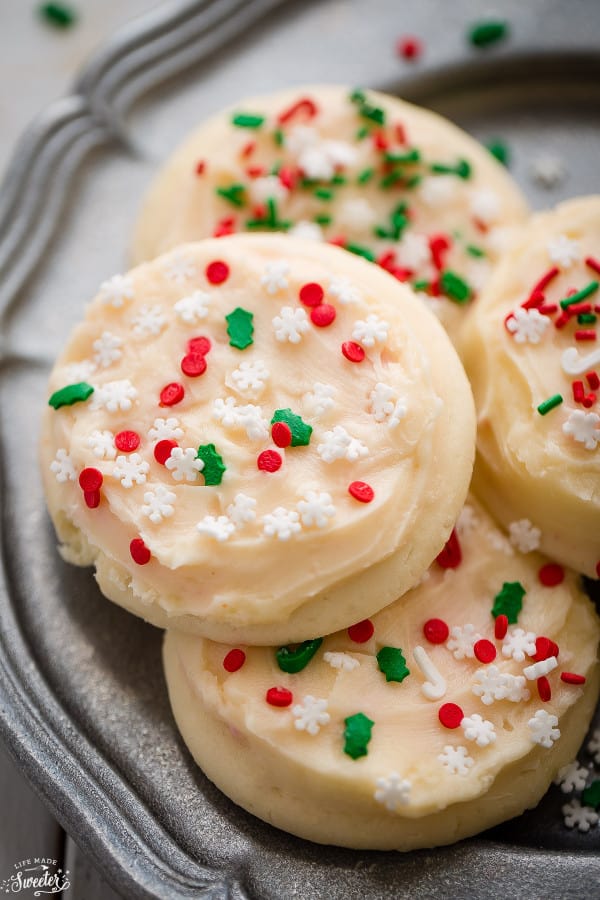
(393, 791)
(213, 467)
(294, 659)
(543, 728)
(357, 735)
(311, 714)
(456, 760)
(72, 393)
(509, 601)
(240, 328)
(392, 663)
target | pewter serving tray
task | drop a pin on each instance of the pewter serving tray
(83, 706)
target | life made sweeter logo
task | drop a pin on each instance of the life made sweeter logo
(36, 877)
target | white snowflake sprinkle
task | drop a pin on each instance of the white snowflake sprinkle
(490, 684)
(320, 399)
(518, 644)
(226, 411)
(477, 729)
(192, 308)
(572, 777)
(462, 640)
(290, 324)
(311, 714)
(527, 325)
(485, 206)
(338, 444)
(371, 330)
(165, 430)
(516, 690)
(593, 747)
(150, 320)
(563, 251)
(318, 158)
(116, 290)
(393, 791)
(251, 418)
(242, 510)
(184, 463)
(467, 521)
(250, 375)
(344, 291)
(158, 503)
(385, 407)
(79, 371)
(269, 187)
(524, 535)
(114, 396)
(456, 760)
(438, 190)
(357, 215)
(316, 509)
(62, 466)
(341, 661)
(584, 428)
(218, 527)
(307, 231)
(275, 275)
(102, 444)
(543, 728)
(107, 349)
(578, 816)
(179, 268)
(130, 469)
(413, 251)
(548, 170)
(281, 523)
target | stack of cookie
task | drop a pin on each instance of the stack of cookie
(264, 442)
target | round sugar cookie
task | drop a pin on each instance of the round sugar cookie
(531, 351)
(387, 180)
(257, 438)
(448, 712)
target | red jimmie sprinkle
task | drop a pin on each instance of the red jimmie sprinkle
(544, 689)
(281, 434)
(361, 632)
(269, 461)
(572, 678)
(305, 105)
(234, 660)
(439, 244)
(585, 334)
(90, 479)
(279, 696)
(450, 715)
(217, 272)
(353, 351)
(500, 627)
(361, 491)
(171, 394)
(127, 441)
(163, 449)
(380, 141)
(535, 300)
(139, 552)
(544, 281)
(409, 47)
(322, 315)
(551, 574)
(484, 650)
(578, 391)
(589, 400)
(193, 365)
(92, 499)
(199, 345)
(544, 648)
(311, 294)
(593, 380)
(436, 631)
(200, 167)
(592, 264)
(224, 227)
(248, 149)
(451, 555)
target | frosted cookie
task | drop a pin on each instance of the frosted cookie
(531, 351)
(446, 713)
(389, 181)
(257, 438)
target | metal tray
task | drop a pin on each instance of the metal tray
(83, 706)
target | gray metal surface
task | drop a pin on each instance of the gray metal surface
(83, 707)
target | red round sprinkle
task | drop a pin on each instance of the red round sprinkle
(217, 272)
(322, 315)
(544, 689)
(361, 491)
(171, 394)
(281, 434)
(353, 351)
(484, 650)
(572, 678)
(162, 451)
(551, 574)
(127, 441)
(92, 498)
(279, 696)
(451, 555)
(544, 648)
(311, 294)
(193, 365)
(436, 631)
(361, 632)
(200, 345)
(409, 47)
(269, 461)
(234, 660)
(500, 627)
(139, 552)
(90, 479)
(450, 715)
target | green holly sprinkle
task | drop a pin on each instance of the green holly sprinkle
(294, 659)
(591, 795)
(234, 194)
(357, 735)
(247, 120)
(509, 601)
(482, 34)
(213, 464)
(392, 663)
(72, 393)
(301, 432)
(455, 287)
(240, 328)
